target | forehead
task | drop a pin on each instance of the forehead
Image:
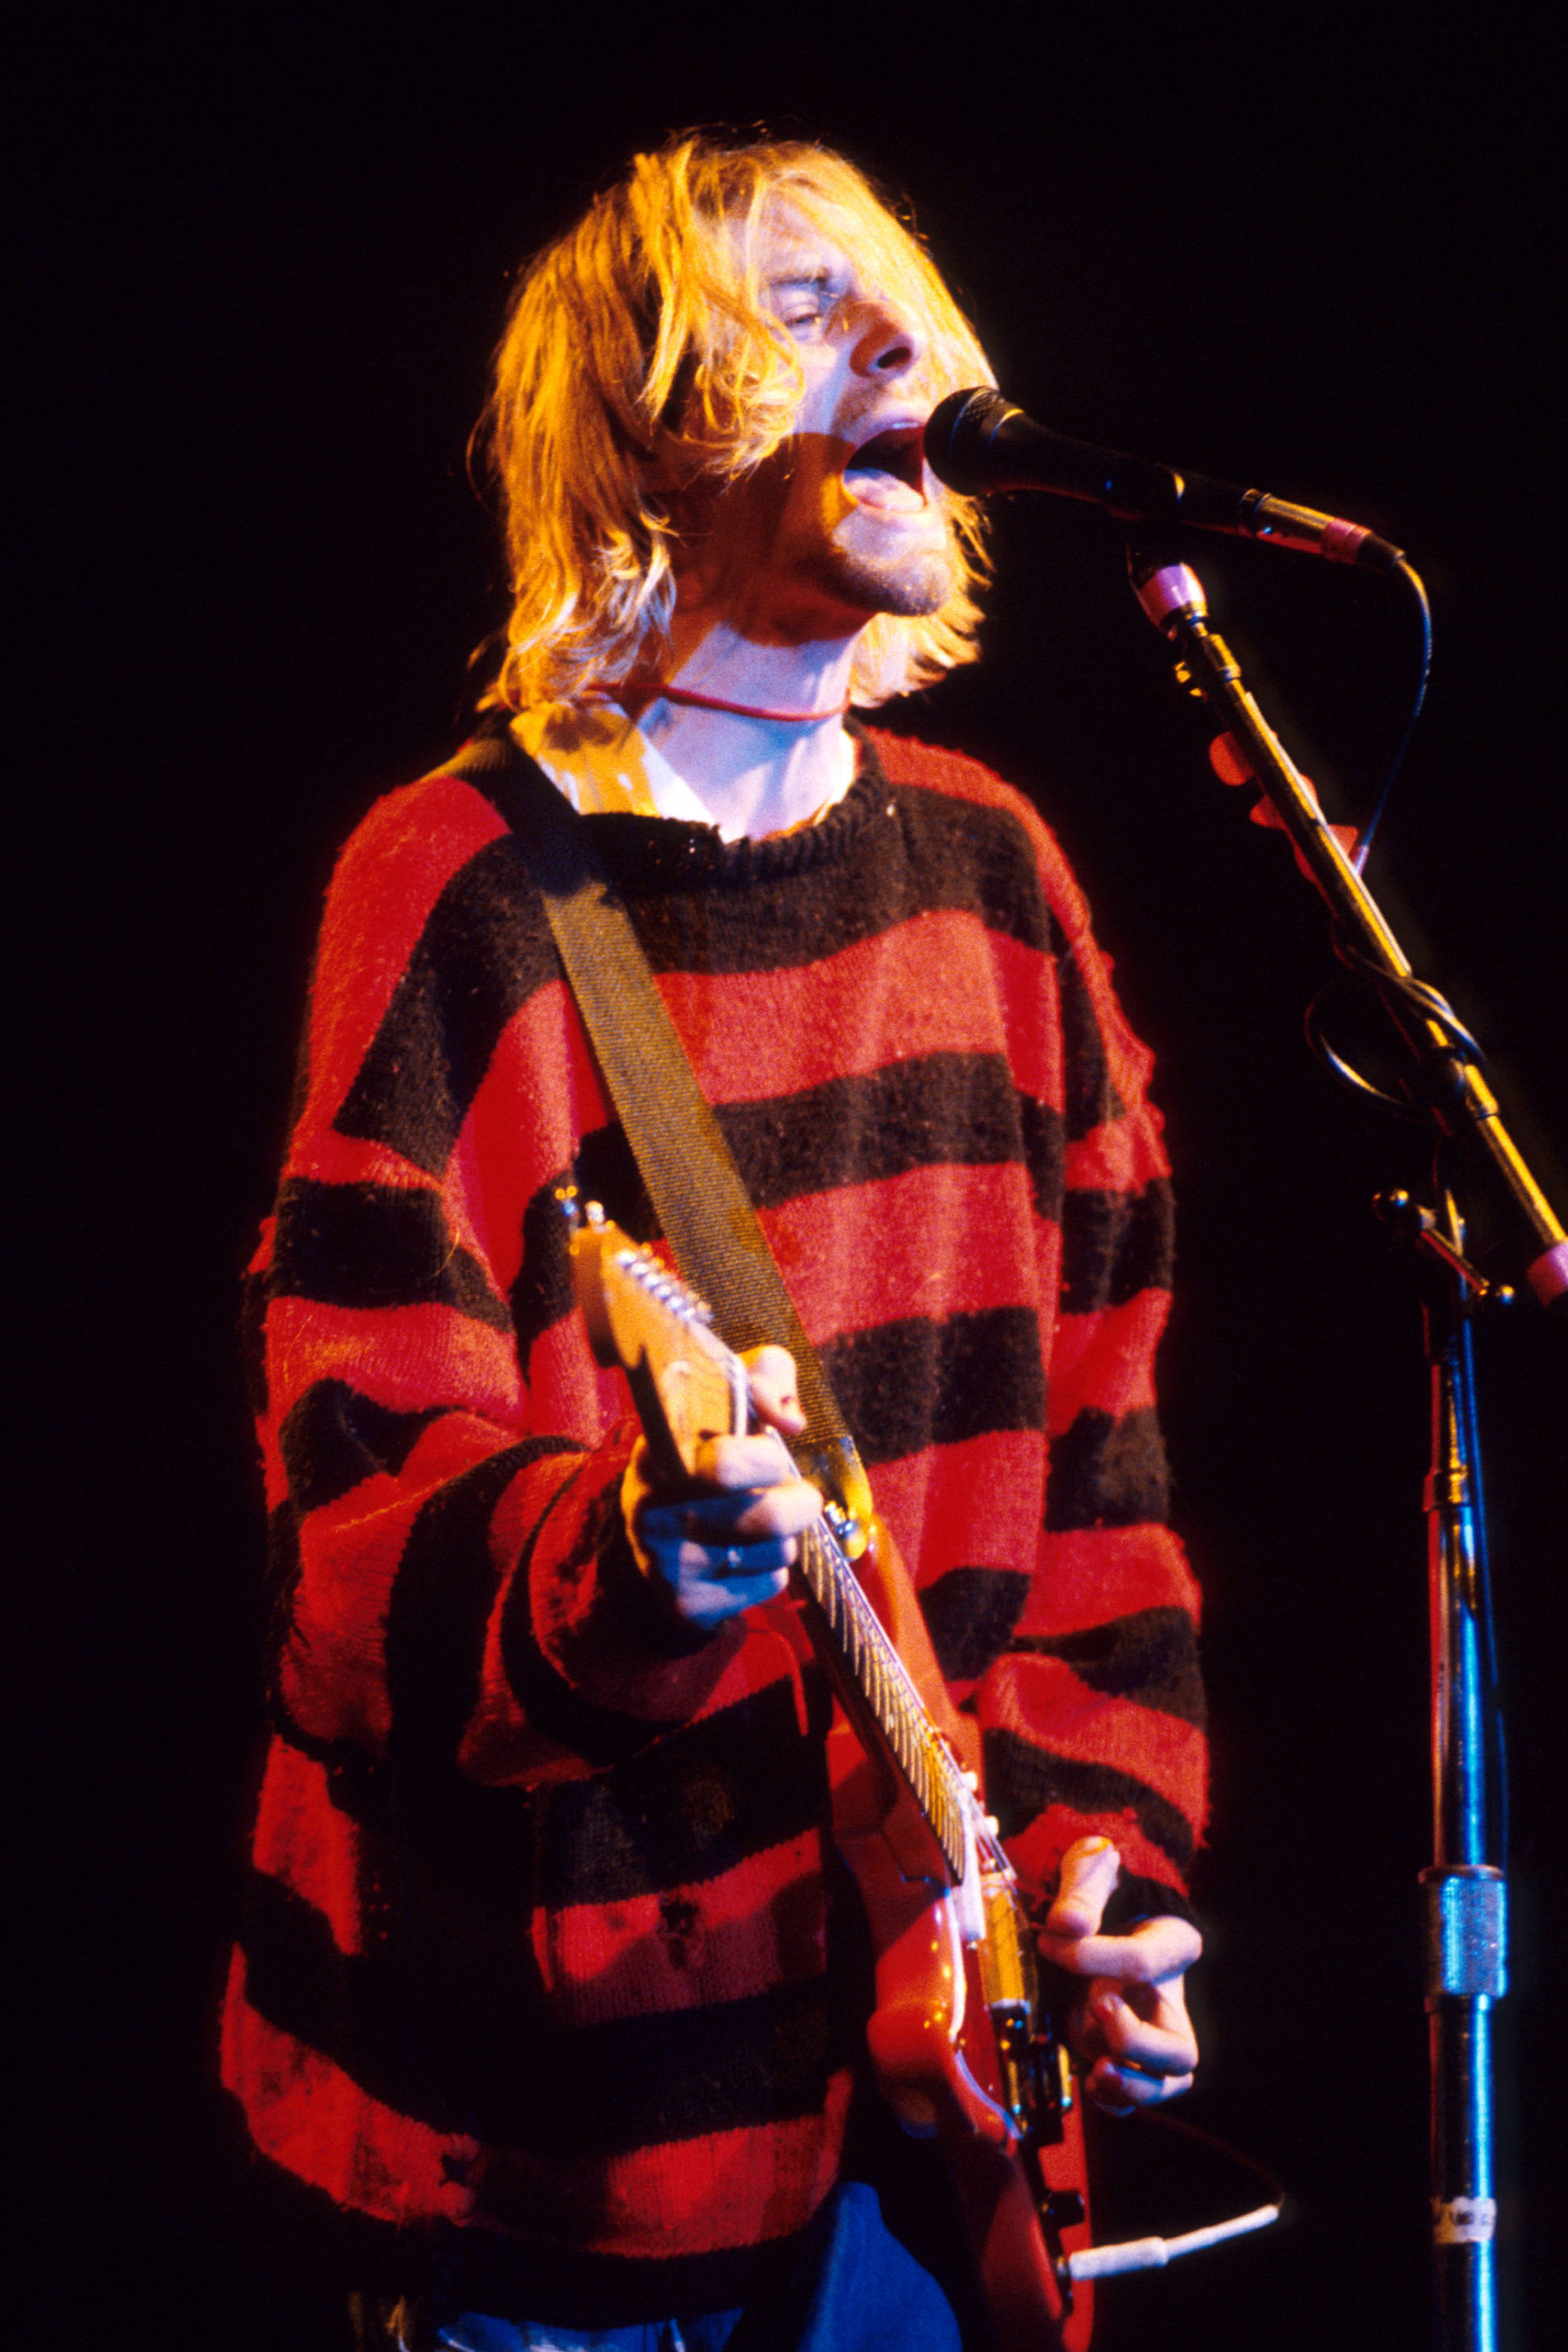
(864, 250)
(789, 248)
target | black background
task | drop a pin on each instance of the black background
(1316, 252)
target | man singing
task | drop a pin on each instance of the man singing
(549, 2015)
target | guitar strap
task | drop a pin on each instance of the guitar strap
(698, 1195)
(701, 1204)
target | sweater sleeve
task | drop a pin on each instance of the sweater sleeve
(443, 1459)
(1094, 1714)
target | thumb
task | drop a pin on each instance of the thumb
(775, 1396)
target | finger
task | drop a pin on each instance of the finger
(759, 1460)
(775, 1392)
(1121, 2089)
(709, 1604)
(1229, 761)
(1158, 2041)
(1265, 814)
(684, 1551)
(1090, 1871)
(1147, 1953)
(743, 1514)
(716, 1519)
(707, 1586)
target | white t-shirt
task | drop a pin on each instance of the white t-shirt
(604, 764)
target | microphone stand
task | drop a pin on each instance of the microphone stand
(1463, 1892)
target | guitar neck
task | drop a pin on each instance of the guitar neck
(688, 1386)
(869, 1663)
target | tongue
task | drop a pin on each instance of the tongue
(872, 487)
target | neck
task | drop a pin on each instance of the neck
(777, 753)
(661, 690)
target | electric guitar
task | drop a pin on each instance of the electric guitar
(958, 2039)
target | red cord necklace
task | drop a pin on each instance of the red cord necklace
(746, 710)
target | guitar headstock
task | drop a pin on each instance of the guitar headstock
(688, 1386)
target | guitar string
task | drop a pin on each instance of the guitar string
(937, 1782)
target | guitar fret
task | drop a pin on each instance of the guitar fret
(882, 1679)
(881, 1675)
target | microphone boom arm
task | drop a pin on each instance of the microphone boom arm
(1450, 1084)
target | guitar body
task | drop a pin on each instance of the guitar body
(956, 2038)
(934, 2045)
(999, 2206)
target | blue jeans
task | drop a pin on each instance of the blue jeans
(475, 2331)
(856, 2289)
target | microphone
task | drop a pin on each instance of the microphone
(977, 442)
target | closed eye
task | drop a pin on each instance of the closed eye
(800, 303)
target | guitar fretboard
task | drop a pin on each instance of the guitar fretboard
(879, 1674)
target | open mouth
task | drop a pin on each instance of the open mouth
(888, 470)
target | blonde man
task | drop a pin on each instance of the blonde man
(549, 2012)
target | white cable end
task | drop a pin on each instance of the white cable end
(1132, 2254)
(1153, 2253)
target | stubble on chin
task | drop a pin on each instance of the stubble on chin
(907, 586)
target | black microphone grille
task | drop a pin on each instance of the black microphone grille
(959, 434)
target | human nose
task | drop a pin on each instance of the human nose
(889, 343)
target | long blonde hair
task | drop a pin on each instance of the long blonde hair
(639, 351)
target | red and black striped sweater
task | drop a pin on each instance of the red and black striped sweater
(539, 1989)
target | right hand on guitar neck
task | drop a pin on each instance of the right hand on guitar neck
(728, 1540)
(1131, 2027)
